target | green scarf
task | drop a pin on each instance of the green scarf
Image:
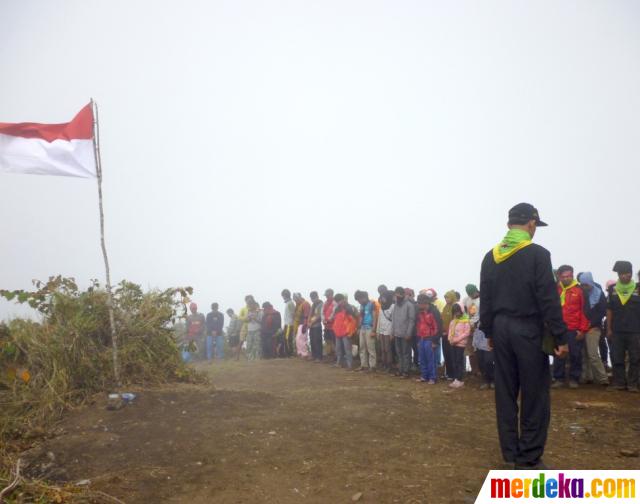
(625, 291)
(563, 294)
(516, 239)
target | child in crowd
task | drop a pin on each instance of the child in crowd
(459, 332)
(486, 362)
(428, 334)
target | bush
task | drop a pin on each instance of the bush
(48, 366)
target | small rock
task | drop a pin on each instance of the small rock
(184, 412)
(630, 453)
(198, 463)
(356, 497)
(272, 433)
(51, 456)
(580, 405)
(577, 429)
(83, 482)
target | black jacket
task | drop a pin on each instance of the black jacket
(624, 318)
(215, 323)
(522, 287)
(596, 313)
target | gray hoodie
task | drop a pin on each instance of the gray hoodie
(403, 319)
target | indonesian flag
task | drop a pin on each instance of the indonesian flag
(50, 149)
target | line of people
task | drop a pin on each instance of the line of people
(395, 333)
(401, 334)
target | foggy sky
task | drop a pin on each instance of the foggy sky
(250, 146)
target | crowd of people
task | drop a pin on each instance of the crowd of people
(436, 339)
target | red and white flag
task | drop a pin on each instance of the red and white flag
(50, 149)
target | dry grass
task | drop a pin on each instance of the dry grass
(58, 363)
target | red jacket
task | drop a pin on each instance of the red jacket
(327, 312)
(573, 310)
(426, 325)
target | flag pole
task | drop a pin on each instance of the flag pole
(112, 323)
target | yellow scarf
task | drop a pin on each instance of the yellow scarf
(563, 294)
(625, 291)
(516, 240)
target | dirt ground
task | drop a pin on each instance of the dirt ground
(285, 431)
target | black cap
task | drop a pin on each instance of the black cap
(523, 213)
(623, 267)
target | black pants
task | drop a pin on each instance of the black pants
(522, 368)
(414, 349)
(458, 362)
(315, 337)
(267, 345)
(448, 356)
(329, 336)
(575, 360)
(486, 363)
(625, 343)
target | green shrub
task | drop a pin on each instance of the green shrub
(48, 366)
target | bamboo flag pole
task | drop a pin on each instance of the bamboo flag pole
(112, 323)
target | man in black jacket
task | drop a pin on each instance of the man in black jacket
(518, 297)
(623, 327)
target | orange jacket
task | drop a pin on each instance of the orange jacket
(344, 322)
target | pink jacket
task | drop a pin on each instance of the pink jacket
(459, 332)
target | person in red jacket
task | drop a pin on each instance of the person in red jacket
(573, 304)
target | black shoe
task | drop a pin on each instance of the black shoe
(537, 466)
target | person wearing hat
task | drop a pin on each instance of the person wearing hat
(623, 327)
(518, 299)
(593, 364)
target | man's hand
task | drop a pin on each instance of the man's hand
(407, 338)
(490, 343)
(562, 351)
(579, 336)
